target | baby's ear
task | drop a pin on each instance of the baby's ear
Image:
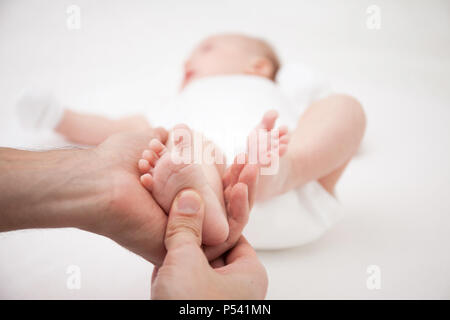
(260, 66)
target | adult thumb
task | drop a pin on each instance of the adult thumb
(184, 226)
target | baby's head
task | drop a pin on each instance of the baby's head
(231, 54)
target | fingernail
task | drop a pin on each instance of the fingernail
(188, 202)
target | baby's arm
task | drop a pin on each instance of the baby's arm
(91, 129)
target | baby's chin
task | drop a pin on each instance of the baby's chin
(193, 77)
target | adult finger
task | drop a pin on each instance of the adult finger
(184, 225)
(242, 264)
(238, 214)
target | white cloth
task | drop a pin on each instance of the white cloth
(225, 109)
(39, 111)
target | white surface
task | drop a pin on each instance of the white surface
(395, 192)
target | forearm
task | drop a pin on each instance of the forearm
(48, 189)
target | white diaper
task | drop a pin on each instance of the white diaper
(225, 109)
(292, 219)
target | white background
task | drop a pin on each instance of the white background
(396, 192)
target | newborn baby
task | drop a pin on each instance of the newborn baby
(322, 141)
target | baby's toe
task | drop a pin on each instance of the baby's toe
(143, 165)
(284, 139)
(157, 147)
(150, 156)
(147, 181)
(282, 149)
(269, 119)
(282, 131)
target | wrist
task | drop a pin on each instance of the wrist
(51, 189)
(86, 193)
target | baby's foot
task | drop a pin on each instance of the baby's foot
(168, 170)
(269, 147)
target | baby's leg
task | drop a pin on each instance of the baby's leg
(169, 169)
(327, 136)
(90, 129)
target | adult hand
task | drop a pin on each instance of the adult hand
(186, 272)
(98, 190)
(239, 182)
(135, 220)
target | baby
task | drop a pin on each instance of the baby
(326, 137)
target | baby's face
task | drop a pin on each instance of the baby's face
(218, 55)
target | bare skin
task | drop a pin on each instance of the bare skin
(327, 136)
(165, 173)
(186, 272)
(91, 129)
(98, 190)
